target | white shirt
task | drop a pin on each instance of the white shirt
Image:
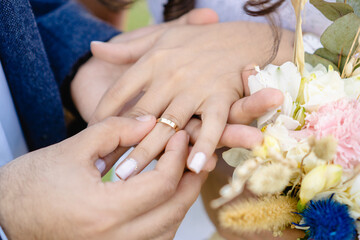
(232, 10)
(12, 142)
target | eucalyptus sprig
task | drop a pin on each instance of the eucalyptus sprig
(340, 39)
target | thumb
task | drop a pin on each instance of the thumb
(102, 138)
(201, 16)
(125, 52)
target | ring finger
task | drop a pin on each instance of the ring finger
(214, 118)
(178, 112)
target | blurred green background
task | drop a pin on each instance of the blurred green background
(137, 16)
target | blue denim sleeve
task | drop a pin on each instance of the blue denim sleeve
(67, 30)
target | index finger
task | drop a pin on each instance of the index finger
(152, 188)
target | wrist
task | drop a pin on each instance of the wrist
(12, 208)
(3, 204)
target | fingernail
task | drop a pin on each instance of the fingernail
(96, 42)
(126, 168)
(144, 118)
(272, 108)
(198, 162)
(100, 165)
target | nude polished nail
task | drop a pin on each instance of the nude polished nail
(100, 165)
(198, 162)
(144, 118)
(126, 168)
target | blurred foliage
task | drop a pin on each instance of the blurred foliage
(338, 38)
(137, 16)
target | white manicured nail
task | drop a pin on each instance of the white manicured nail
(100, 165)
(198, 162)
(126, 168)
(144, 118)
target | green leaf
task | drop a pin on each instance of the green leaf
(332, 57)
(324, 53)
(339, 36)
(235, 156)
(355, 4)
(331, 10)
(314, 60)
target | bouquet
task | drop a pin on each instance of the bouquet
(306, 173)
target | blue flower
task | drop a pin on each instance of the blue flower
(328, 220)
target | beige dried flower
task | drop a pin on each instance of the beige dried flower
(270, 179)
(325, 148)
(271, 213)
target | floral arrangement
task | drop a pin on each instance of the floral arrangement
(306, 173)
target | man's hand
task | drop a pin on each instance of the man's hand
(57, 192)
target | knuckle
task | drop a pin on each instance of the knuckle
(209, 140)
(158, 54)
(180, 212)
(180, 73)
(169, 184)
(142, 152)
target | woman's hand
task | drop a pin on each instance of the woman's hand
(57, 192)
(186, 70)
(95, 76)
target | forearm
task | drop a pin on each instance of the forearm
(16, 203)
(5, 208)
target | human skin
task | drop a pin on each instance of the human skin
(57, 192)
(181, 73)
(223, 172)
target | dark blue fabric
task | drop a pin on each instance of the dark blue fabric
(38, 53)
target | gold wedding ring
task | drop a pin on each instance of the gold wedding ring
(168, 122)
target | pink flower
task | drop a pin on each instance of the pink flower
(341, 119)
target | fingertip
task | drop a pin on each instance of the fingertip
(202, 16)
(94, 45)
(197, 162)
(277, 96)
(211, 163)
(178, 141)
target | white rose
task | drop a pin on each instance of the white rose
(281, 133)
(352, 86)
(286, 78)
(320, 89)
